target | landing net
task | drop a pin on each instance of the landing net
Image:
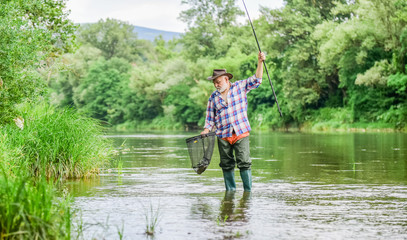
(200, 150)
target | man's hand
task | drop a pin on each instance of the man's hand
(259, 71)
(205, 131)
(261, 57)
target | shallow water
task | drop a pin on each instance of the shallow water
(305, 186)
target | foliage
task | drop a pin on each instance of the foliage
(32, 33)
(365, 50)
(47, 142)
(294, 53)
(323, 57)
(114, 38)
(74, 68)
(180, 108)
(54, 143)
(31, 210)
(398, 82)
(99, 93)
(208, 23)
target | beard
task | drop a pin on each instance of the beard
(222, 88)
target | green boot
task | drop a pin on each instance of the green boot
(229, 177)
(246, 176)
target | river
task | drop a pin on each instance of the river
(305, 186)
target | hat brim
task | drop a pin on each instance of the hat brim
(211, 78)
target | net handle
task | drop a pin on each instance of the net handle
(207, 134)
(200, 136)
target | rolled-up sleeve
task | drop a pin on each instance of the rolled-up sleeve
(251, 83)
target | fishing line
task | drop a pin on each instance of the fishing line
(264, 63)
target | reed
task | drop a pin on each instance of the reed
(56, 143)
(31, 210)
(152, 217)
(44, 145)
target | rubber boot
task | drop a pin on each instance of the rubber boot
(246, 176)
(229, 177)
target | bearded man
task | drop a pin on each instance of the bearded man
(227, 113)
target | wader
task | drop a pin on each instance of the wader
(241, 150)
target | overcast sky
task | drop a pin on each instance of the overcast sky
(157, 14)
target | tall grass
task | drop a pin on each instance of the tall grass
(9, 156)
(52, 144)
(56, 143)
(31, 210)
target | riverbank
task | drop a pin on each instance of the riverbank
(327, 126)
(341, 127)
(44, 147)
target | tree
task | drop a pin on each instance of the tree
(222, 13)
(287, 38)
(208, 23)
(75, 67)
(366, 51)
(100, 93)
(32, 33)
(182, 108)
(115, 38)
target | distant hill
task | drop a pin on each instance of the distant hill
(151, 34)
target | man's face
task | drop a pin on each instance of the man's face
(221, 83)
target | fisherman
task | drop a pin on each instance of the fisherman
(227, 113)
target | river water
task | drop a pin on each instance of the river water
(305, 186)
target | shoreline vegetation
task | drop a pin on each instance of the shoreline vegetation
(53, 143)
(46, 147)
(40, 145)
(320, 127)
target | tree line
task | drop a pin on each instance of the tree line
(332, 63)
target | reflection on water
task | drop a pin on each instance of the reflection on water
(305, 186)
(230, 212)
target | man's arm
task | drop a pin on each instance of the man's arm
(255, 80)
(210, 117)
(259, 71)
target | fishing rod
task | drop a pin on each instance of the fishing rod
(265, 67)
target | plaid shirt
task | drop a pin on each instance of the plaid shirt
(232, 116)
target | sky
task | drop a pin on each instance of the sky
(157, 14)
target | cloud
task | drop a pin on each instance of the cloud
(153, 14)
(158, 14)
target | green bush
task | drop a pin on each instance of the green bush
(328, 119)
(55, 143)
(340, 115)
(396, 115)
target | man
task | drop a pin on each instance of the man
(227, 112)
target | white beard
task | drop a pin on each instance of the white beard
(222, 88)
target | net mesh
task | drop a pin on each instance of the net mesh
(200, 150)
